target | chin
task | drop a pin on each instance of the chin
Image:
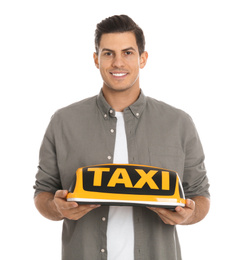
(118, 89)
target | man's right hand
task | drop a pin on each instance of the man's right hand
(70, 210)
(55, 207)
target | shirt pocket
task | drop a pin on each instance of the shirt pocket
(168, 157)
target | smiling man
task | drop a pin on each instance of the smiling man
(123, 126)
(119, 61)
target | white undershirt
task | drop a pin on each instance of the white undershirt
(120, 228)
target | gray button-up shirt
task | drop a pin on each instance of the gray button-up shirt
(157, 135)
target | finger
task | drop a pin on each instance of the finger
(82, 208)
(86, 208)
(170, 217)
(75, 214)
(162, 211)
(190, 204)
(63, 204)
(180, 210)
(61, 194)
(60, 200)
(163, 214)
(167, 221)
(68, 205)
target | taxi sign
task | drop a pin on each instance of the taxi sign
(127, 184)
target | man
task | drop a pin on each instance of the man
(120, 125)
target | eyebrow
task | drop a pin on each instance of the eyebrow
(126, 49)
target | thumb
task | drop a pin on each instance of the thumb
(190, 204)
(61, 194)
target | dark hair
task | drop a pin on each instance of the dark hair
(119, 24)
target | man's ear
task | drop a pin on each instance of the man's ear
(95, 56)
(143, 59)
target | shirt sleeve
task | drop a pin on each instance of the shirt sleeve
(48, 177)
(195, 180)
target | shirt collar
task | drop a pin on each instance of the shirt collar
(138, 106)
(107, 111)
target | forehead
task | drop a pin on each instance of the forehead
(118, 41)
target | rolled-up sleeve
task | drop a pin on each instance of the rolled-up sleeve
(195, 180)
(47, 177)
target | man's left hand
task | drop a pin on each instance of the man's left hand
(181, 216)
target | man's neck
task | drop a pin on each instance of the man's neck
(119, 100)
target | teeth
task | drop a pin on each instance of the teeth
(119, 74)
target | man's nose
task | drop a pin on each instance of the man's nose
(118, 61)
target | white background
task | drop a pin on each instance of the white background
(46, 63)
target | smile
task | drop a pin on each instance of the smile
(118, 74)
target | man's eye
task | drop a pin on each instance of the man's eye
(108, 54)
(128, 52)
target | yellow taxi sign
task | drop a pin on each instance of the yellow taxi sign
(127, 184)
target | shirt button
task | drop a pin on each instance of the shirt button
(112, 131)
(137, 114)
(102, 250)
(105, 115)
(103, 219)
(111, 111)
(109, 157)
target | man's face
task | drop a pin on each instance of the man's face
(119, 61)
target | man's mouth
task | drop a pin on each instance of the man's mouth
(119, 74)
